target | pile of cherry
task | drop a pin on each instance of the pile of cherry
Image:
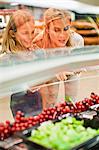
(21, 122)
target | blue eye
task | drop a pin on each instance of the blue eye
(66, 28)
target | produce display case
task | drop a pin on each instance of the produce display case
(27, 87)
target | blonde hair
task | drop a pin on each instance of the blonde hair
(53, 14)
(50, 15)
(18, 18)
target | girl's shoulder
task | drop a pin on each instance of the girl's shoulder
(38, 40)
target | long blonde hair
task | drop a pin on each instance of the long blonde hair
(50, 15)
(18, 18)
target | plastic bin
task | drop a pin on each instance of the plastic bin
(91, 144)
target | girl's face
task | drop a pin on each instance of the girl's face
(25, 34)
(59, 32)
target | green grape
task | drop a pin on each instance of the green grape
(62, 135)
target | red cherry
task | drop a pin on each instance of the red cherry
(17, 129)
(97, 101)
(6, 131)
(23, 128)
(8, 122)
(17, 125)
(31, 118)
(36, 118)
(41, 116)
(20, 113)
(67, 109)
(44, 113)
(13, 129)
(1, 128)
(46, 116)
(41, 120)
(52, 111)
(33, 123)
(48, 112)
(30, 125)
(51, 117)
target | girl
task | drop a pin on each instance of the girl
(19, 32)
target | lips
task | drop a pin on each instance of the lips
(62, 41)
(28, 43)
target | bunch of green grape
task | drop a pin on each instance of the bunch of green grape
(62, 135)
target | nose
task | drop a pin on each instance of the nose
(30, 31)
(62, 33)
(30, 36)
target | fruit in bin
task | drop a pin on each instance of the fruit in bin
(5, 130)
(22, 122)
(95, 97)
(8, 122)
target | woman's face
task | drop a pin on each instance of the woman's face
(25, 34)
(59, 32)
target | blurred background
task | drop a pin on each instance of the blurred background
(85, 15)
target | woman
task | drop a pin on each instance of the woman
(19, 32)
(57, 32)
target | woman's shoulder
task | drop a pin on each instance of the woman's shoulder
(76, 39)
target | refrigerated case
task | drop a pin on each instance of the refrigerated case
(24, 80)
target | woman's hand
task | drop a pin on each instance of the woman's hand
(62, 76)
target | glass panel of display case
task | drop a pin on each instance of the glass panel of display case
(27, 72)
(35, 99)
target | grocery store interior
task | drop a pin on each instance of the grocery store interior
(49, 75)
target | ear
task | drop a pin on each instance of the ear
(47, 29)
(68, 20)
(12, 33)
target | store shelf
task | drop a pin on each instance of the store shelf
(17, 77)
(64, 4)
